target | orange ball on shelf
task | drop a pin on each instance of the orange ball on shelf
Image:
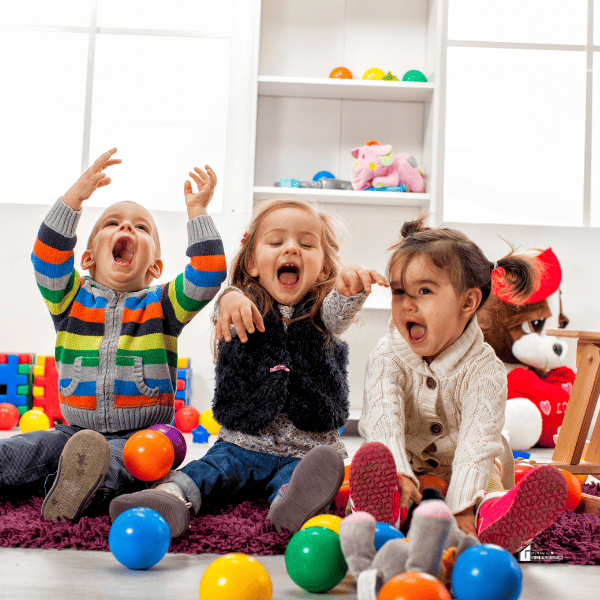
(341, 73)
(148, 455)
(573, 490)
(413, 585)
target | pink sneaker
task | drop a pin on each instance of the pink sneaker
(374, 483)
(514, 519)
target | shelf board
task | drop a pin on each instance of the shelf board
(357, 198)
(345, 89)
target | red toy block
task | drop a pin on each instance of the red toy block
(45, 390)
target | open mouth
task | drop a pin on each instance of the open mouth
(123, 251)
(288, 275)
(416, 331)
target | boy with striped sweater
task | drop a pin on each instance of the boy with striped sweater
(116, 347)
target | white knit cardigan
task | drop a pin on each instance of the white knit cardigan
(444, 418)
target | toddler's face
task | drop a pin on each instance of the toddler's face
(122, 255)
(288, 257)
(426, 309)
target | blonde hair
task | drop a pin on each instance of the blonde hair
(463, 261)
(239, 275)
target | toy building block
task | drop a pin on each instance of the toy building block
(14, 380)
(184, 380)
(200, 435)
(45, 388)
(289, 182)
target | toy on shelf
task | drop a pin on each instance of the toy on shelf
(373, 73)
(414, 75)
(340, 73)
(323, 175)
(517, 331)
(376, 167)
(289, 182)
(326, 183)
(45, 388)
(389, 76)
(184, 380)
(15, 385)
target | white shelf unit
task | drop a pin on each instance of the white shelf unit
(307, 122)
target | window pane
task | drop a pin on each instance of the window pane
(162, 101)
(41, 119)
(526, 21)
(514, 136)
(595, 196)
(74, 13)
(197, 15)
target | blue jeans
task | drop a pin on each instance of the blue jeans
(228, 474)
(34, 456)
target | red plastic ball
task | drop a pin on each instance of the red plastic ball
(413, 585)
(9, 416)
(521, 469)
(573, 490)
(187, 418)
(148, 455)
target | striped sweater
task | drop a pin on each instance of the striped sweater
(116, 353)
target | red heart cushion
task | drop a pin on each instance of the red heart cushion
(549, 393)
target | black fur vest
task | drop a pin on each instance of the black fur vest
(294, 372)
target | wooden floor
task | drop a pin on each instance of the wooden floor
(65, 574)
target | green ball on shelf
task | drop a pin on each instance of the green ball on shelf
(414, 75)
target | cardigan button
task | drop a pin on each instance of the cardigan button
(436, 428)
(431, 383)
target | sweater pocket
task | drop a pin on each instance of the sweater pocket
(80, 390)
(131, 389)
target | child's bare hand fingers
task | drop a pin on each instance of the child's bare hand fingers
(378, 278)
(342, 286)
(240, 328)
(211, 173)
(257, 318)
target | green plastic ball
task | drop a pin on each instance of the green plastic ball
(314, 559)
(414, 75)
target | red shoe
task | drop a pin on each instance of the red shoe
(514, 519)
(374, 482)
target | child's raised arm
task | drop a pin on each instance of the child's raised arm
(90, 181)
(355, 278)
(197, 202)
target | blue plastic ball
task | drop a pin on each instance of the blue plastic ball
(139, 538)
(385, 532)
(486, 572)
(323, 175)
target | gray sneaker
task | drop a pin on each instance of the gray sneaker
(81, 470)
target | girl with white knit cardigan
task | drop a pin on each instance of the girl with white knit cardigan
(435, 395)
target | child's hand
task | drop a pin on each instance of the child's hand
(408, 491)
(236, 309)
(466, 521)
(197, 202)
(354, 279)
(92, 179)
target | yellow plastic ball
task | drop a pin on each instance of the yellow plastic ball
(208, 422)
(373, 73)
(328, 521)
(236, 576)
(34, 420)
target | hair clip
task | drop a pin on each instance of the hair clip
(244, 237)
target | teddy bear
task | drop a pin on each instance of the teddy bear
(376, 167)
(534, 360)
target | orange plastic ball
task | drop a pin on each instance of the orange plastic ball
(581, 477)
(148, 455)
(573, 490)
(340, 73)
(433, 481)
(346, 475)
(413, 585)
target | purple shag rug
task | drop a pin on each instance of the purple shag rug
(241, 528)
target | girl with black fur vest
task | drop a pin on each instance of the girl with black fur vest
(281, 389)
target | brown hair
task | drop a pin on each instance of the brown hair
(240, 277)
(463, 261)
(96, 227)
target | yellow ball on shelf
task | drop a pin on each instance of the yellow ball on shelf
(373, 73)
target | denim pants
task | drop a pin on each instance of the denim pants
(228, 474)
(34, 456)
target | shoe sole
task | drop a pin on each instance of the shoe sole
(373, 481)
(324, 469)
(81, 470)
(539, 501)
(165, 504)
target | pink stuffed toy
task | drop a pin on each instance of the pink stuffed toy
(377, 167)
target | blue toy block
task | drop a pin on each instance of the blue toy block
(289, 182)
(200, 435)
(14, 381)
(185, 374)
